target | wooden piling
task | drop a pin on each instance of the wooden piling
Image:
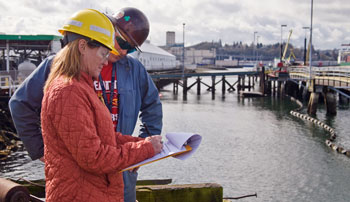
(279, 88)
(213, 87)
(342, 99)
(268, 87)
(243, 83)
(239, 87)
(262, 80)
(254, 78)
(223, 85)
(313, 101)
(331, 103)
(249, 83)
(198, 85)
(184, 88)
(175, 87)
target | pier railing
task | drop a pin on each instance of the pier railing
(340, 74)
(10, 80)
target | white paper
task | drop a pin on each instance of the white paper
(175, 142)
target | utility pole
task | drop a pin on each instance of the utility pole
(282, 42)
(254, 46)
(305, 40)
(310, 56)
(257, 43)
(183, 51)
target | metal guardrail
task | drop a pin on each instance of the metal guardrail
(7, 84)
(179, 75)
(329, 73)
(10, 80)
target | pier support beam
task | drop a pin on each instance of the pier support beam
(198, 85)
(175, 87)
(268, 88)
(243, 83)
(343, 99)
(281, 88)
(223, 85)
(239, 87)
(184, 88)
(312, 106)
(331, 103)
(249, 83)
(262, 80)
(212, 87)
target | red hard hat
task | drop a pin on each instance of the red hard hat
(132, 24)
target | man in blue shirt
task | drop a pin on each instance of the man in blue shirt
(136, 91)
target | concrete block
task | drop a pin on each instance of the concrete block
(208, 192)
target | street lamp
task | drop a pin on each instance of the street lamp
(310, 54)
(305, 28)
(257, 43)
(183, 51)
(254, 46)
(281, 41)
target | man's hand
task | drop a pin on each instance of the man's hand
(134, 170)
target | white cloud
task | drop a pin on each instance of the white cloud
(206, 20)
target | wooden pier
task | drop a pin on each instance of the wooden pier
(321, 85)
(245, 80)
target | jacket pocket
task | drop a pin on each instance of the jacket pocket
(107, 180)
(127, 102)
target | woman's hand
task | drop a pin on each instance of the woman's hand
(42, 159)
(157, 143)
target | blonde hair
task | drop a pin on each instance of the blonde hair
(66, 63)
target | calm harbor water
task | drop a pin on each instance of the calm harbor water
(250, 145)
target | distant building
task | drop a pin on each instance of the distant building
(200, 57)
(170, 38)
(155, 58)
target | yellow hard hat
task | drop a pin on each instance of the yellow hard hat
(94, 25)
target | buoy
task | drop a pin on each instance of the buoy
(347, 153)
(334, 147)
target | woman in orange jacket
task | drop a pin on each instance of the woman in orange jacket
(83, 153)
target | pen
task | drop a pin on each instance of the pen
(147, 131)
(146, 128)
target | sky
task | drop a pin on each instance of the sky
(205, 20)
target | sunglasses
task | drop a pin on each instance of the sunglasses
(125, 45)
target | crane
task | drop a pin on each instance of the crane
(285, 49)
(291, 54)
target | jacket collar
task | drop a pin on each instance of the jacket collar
(85, 77)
